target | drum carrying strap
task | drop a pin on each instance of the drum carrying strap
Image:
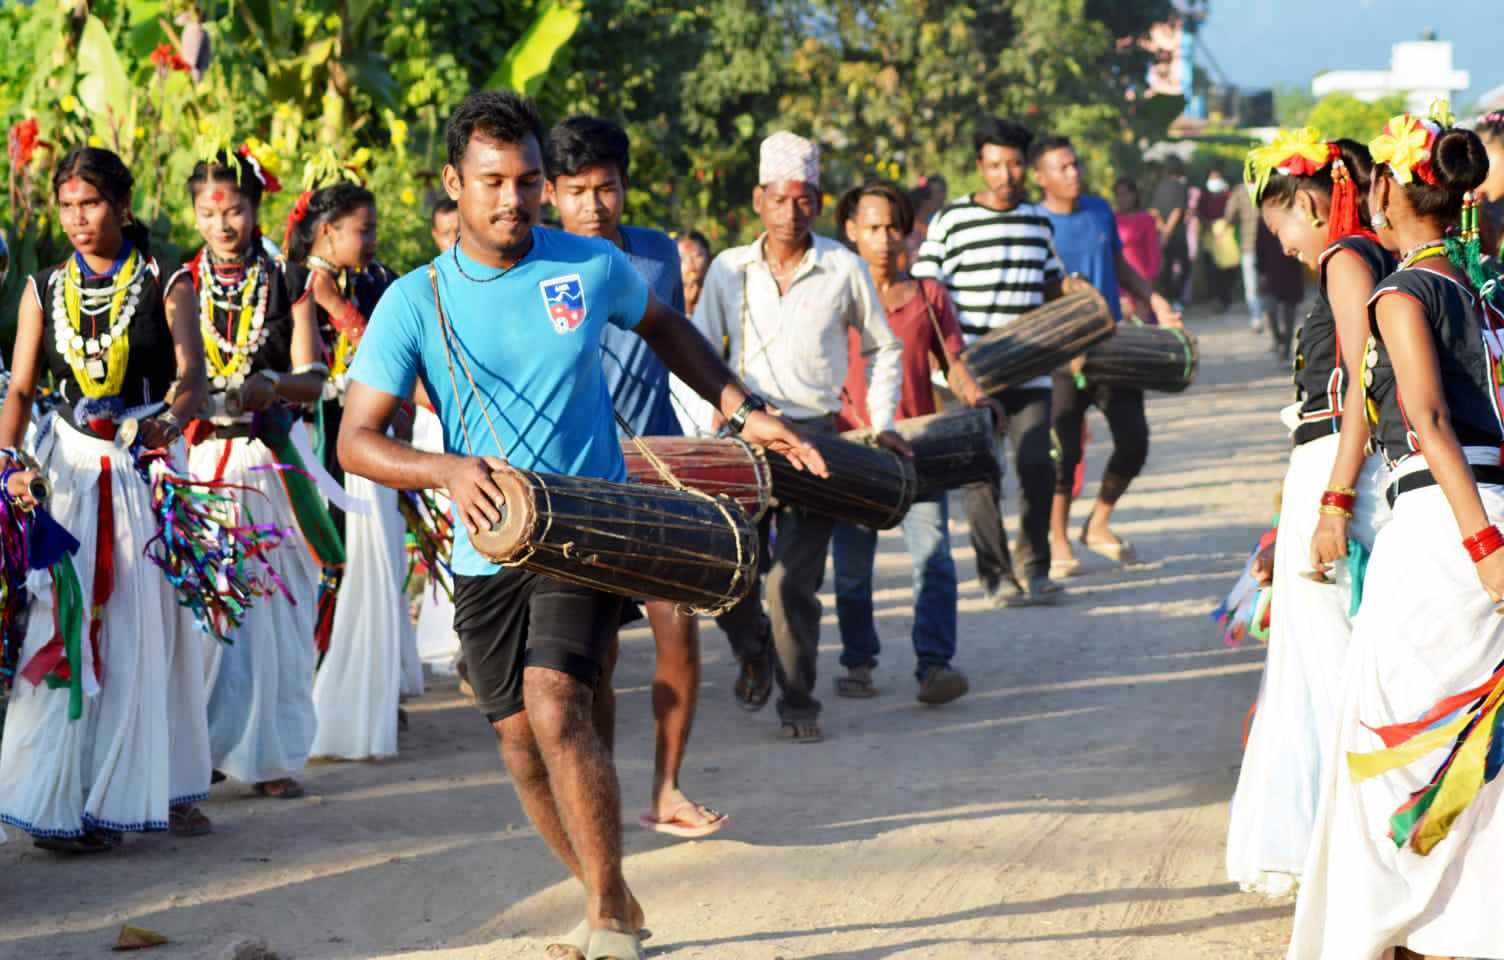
(449, 353)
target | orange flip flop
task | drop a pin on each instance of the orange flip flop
(675, 826)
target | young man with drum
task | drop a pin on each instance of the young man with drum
(525, 306)
(994, 253)
(877, 219)
(588, 159)
(783, 306)
(1086, 239)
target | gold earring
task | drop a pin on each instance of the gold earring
(1317, 221)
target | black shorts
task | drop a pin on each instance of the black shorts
(514, 619)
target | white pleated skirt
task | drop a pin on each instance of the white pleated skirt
(360, 681)
(141, 744)
(438, 646)
(1427, 630)
(261, 717)
(1292, 739)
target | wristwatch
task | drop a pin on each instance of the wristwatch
(739, 419)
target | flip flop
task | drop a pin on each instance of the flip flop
(88, 843)
(613, 945)
(675, 826)
(752, 695)
(791, 733)
(290, 790)
(1060, 569)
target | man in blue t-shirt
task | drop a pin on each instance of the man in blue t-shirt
(525, 307)
(588, 163)
(1086, 240)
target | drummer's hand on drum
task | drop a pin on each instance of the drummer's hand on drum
(890, 440)
(1164, 314)
(1330, 542)
(470, 486)
(775, 434)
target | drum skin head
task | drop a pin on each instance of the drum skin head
(508, 539)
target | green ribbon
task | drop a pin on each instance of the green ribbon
(308, 504)
(68, 600)
(1357, 570)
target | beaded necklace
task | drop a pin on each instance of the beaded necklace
(230, 360)
(97, 360)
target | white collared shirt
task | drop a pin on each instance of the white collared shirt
(790, 349)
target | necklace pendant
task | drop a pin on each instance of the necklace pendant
(95, 368)
(220, 383)
(91, 345)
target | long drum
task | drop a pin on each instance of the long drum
(1149, 358)
(644, 542)
(721, 467)
(951, 449)
(1040, 341)
(867, 486)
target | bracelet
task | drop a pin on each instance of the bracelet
(1483, 543)
(1347, 490)
(1346, 500)
(1331, 510)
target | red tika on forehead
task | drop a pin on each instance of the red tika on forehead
(217, 196)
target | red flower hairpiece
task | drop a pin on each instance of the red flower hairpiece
(269, 181)
(299, 212)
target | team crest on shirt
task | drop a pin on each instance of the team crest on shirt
(565, 299)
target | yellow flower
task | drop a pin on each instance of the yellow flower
(68, 104)
(140, 133)
(1404, 145)
(868, 159)
(1301, 152)
(360, 158)
(1440, 112)
(95, 140)
(408, 197)
(265, 156)
(398, 128)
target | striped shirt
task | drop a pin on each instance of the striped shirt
(996, 264)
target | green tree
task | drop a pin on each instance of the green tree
(1344, 115)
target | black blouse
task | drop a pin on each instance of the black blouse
(151, 364)
(1320, 376)
(1466, 335)
(275, 352)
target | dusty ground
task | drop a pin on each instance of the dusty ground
(1073, 806)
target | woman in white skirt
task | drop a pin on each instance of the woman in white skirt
(1377, 880)
(106, 732)
(1311, 194)
(359, 682)
(262, 356)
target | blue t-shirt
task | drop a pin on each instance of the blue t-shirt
(532, 338)
(637, 379)
(1087, 243)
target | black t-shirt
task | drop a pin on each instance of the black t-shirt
(1466, 334)
(275, 351)
(151, 364)
(1320, 376)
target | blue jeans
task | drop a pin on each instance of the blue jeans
(926, 533)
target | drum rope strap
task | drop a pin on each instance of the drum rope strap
(929, 308)
(446, 332)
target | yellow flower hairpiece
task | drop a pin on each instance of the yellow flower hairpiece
(1292, 152)
(1439, 112)
(1405, 148)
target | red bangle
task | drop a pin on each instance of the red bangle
(1483, 543)
(1344, 501)
(350, 320)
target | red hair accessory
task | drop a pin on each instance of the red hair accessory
(24, 138)
(299, 212)
(1345, 218)
(167, 58)
(269, 181)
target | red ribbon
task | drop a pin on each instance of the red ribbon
(104, 560)
(299, 211)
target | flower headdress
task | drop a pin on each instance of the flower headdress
(1297, 153)
(264, 164)
(1407, 142)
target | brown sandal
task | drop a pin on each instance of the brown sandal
(284, 789)
(188, 820)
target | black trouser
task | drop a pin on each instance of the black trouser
(1034, 460)
(1124, 409)
(1176, 268)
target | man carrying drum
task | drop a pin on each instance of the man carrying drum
(1086, 239)
(525, 308)
(783, 306)
(877, 219)
(588, 161)
(994, 253)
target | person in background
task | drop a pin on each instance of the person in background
(1139, 235)
(694, 260)
(589, 163)
(444, 224)
(1490, 129)
(875, 218)
(1244, 217)
(927, 197)
(1171, 207)
(1214, 230)
(1284, 279)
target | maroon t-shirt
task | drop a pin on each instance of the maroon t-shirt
(911, 324)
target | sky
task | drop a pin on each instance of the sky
(1265, 43)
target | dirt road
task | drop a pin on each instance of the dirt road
(1073, 806)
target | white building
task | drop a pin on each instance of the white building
(1421, 69)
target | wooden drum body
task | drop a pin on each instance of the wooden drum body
(640, 541)
(951, 449)
(1040, 341)
(728, 467)
(1145, 357)
(868, 486)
